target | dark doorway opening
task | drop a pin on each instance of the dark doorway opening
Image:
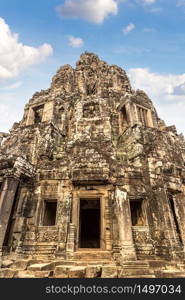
(124, 118)
(172, 206)
(89, 223)
(50, 213)
(137, 215)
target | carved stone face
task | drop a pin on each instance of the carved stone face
(91, 110)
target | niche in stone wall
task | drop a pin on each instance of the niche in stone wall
(1, 185)
(61, 112)
(137, 210)
(50, 210)
(61, 119)
(171, 200)
(38, 112)
(123, 117)
(91, 110)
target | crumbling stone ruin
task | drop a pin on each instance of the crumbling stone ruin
(92, 182)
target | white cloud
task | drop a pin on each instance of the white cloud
(181, 3)
(149, 1)
(91, 10)
(129, 28)
(145, 2)
(149, 6)
(12, 86)
(15, 56)
(165, 84)
(75, 42)
(167, 92)
(180, 89)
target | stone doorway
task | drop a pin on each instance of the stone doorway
(89, 223)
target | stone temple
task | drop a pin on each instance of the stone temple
(92, 182)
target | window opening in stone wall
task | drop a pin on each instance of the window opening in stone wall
(142, 115)
(124, 118)
(172, 207)
(89, 223)
(38, 112)
(137, 213)
(50, 209)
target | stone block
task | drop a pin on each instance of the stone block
(109, 272)
(62, 271)
(77, 272)
(134, 272)
(6, 263)
(93, 271)
(7, 273)
(41, 267)
(20, 265)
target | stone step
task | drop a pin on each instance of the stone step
(90, 264)
(20, 265)
(181, 266)
(135, 265)
(62, 271)
(95, 271)
(6, 263)
(42, 267)
(32, 274)
(43, 256)
(110, 271)
(134, 272)
(157, 264)
(77, 272)
(7, 273)
(83, 255)
(172, 274)
(94, 262)
(65, 262)
(44, 252)
(141, 276)
(39, 260)
(24, 274)
(173, 266)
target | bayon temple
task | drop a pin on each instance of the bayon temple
(92, 182)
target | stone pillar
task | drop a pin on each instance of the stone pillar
(1, 139)
(129, 114)
(70, 246)
(122, 211)
(63, 218)
(108, 235)
(6, 202)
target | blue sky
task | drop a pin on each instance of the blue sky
(145, 37)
